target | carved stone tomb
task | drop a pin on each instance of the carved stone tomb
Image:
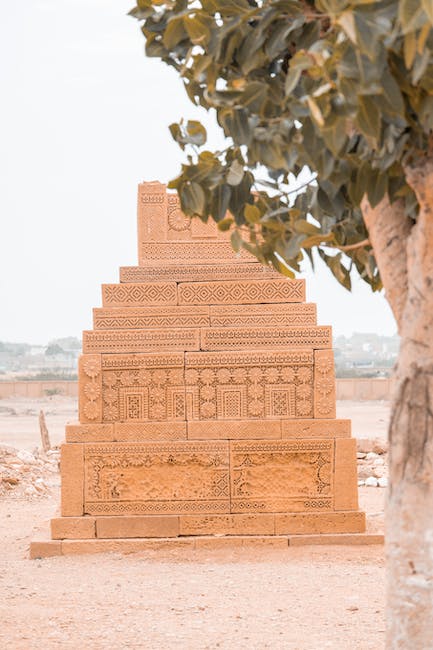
(206, 405)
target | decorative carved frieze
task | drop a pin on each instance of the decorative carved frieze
(190, 252)
(150, 293)
(324, 384)
(279, 476)
(150, 317)
(237, 338)
(269, 315)
(175, 477)
(230, 270)
(241, 292)
(147, 340)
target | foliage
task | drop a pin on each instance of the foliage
(341, 87)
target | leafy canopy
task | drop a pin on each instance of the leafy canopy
(343, 88)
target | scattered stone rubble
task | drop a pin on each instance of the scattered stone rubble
(372, 455)
(26, 474)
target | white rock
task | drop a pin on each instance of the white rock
(383, 482)
(360, 483)
(378, 472)
(371, 456)
(371, 482)
(378, 461)
(30, 491)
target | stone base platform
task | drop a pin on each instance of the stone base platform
(45, 547)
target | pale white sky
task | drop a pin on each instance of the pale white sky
(83, 118)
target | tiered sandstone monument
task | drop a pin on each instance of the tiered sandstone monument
(206, 404)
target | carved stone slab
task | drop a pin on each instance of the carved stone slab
(147, 340)
(143, 387)
(236, 338)
(242, 292)
(282, 315)
(175, 477)
(151, 293)
(231, 270)
(315, 428)
(190, 252)
(90, 388)
(249, 385)
(324, 384)
(126, 432)
(281, 476)
(144, 317)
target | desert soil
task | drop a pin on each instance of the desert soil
(304, 598)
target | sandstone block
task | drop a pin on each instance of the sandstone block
(141, 387)
(230, 270)
(249, 385)
(351, 539)
(247, 338)
(280, 315)
(149, 431)
(189, 252)
(124, 527)
(345, 478)
(315, 428)
(90, 388)
(281, 476)
(250, 524)
(319, 522)
(241, 292)
(125, 546)
(234, 430)
(72, 475)
(134, 295)
(324, 384)
(48, 548)
(112, 318)
(156, 478)
(73, 528)
(76, 432)
(145, 340)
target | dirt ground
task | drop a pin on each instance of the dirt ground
(302, 598)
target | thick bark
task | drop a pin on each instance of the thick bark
(410, 497)
(388, 228)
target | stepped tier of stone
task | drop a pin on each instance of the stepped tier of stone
(206, 401)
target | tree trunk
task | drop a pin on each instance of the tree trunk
(409, 534)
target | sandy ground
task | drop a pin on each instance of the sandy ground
(296, 599)
(305, 598)
(19, 426)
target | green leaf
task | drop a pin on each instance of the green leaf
(411, 15)
(197, 29)
(193, 199)
(427, 5)
(220, 201)
(254, 96)
(225, 224)
(377, 188)
(252, 213)
(368, 117)
(174, 32)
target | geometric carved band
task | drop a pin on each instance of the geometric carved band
(197, 272)
(154, 253)
(241, 292)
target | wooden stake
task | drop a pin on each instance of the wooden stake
(45, 437)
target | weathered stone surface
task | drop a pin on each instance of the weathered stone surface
(146, 340)
(234, 430)
(90, 388)
(189, 252)
(135, 295)
(76, 432)
(275, 338)
(156, 478)
(345, 478)
(73, 528)
(315, 429)
(319, 522)
(241, 292)
(231, 270)
(72, 474)
(281, 476)
(254, 524)
(324, 384)
(281, 315)
(112, 318)
(147, 526)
